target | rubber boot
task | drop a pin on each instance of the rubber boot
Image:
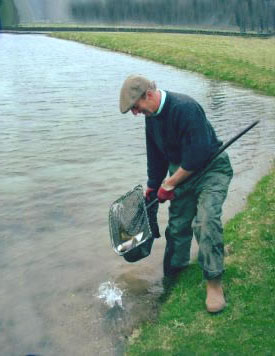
(215, 301)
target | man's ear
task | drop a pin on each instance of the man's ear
(149, 94)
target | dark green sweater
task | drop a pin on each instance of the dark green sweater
(180, 134)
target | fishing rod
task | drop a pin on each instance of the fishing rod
(204, 169)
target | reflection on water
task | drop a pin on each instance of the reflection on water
(66, 154)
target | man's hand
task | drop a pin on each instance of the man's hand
(148, 194)
(166, 192)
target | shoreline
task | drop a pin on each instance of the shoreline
(183, 327)
(132, 29)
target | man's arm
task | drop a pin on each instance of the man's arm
(157, 165)
(178, 177)
(166, 190)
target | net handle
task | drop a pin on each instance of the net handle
(220, 150)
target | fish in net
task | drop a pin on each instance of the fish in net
(133, 227)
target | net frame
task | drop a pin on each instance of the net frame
(129, 214)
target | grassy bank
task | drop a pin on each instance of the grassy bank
(247, 325)
(249, 62)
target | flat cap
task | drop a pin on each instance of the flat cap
(132, 89)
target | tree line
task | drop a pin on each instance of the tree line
(254, 15)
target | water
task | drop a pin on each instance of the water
(66, 154)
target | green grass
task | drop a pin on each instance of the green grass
(249, 62)
(247, 325)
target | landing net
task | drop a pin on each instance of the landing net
(128, 221)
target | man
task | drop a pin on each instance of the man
(180, 139)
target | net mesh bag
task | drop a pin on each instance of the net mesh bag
(129, 226)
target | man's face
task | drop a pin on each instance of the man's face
(143, 106)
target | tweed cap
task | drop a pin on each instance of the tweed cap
(132, 89)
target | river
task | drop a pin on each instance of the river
(66, 154)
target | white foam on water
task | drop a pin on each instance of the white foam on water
(110, 293)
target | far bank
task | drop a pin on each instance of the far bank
(248, 62)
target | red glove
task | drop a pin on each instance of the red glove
(165, 192)
(147, 193)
